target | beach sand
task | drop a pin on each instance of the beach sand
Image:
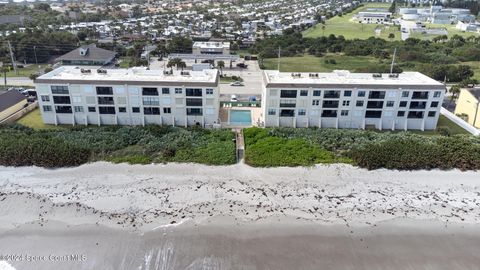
(189, 216)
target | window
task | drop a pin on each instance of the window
(390, 103)
(104, 90)
(122, 109)
(149, 91)
(331, 94)
(405, 93)
(317, 93)
(431, 114)
(209, 91)
(361, 93)
(151, 101)
(346, 103)
(167, 110)
(437, 94)
(403, 104)
(193, 92)
(401, 113)
(135, 109)
(106, 110)
(359, 103)
(165, 91)
(302, 112)
(272, 112)
(344, 113)
(194, 111)
(316, 102)
(105, 100)
(63, 109)
(59, 89)
(287, 113)
(77, 99)
(303, 93)
(92, 109)
(347, 93)
(288, 93)
(151, 111)
(196, 102)
(178, 90)
(45, 98)
(61, 99)
(434, 104)
(78, 109)
(47, 108)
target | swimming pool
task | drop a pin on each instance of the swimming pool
(240, 118)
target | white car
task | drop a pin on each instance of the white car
(233, 98)
(237, 83)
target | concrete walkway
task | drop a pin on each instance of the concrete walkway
(240, 145)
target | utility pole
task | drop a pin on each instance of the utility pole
(12, 57)
(279, 55)
(393, 61)
(35, 52)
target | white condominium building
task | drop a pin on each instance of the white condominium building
(136, 96)
(222, 48)
(341, 99)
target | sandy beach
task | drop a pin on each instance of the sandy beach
(189, 216)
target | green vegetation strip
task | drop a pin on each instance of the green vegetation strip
(23, 146)
(367, 149)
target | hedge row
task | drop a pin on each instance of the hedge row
(21, 146)
(367, 149)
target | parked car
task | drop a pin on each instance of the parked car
(233, 98)
(237, 83)
(242, 65)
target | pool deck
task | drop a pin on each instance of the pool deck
(256, 114)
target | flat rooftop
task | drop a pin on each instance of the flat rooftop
(206, 45)
(136, 75)
(345, 79)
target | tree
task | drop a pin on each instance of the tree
(455, 91)
(391, 36)
(393, 7)
(4, 70)
(221, 65)
(181, 65)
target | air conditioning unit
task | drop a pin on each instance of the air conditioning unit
(85, 71)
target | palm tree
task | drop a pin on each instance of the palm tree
(221, 65)
(181, 64)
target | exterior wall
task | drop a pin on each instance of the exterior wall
(128, 97)
(13, 109)
(349, 114)
(467, 104)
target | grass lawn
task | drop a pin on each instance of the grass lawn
(309, 63)
(350, 29)
(454, 128)
(26, 71)
(34, 120)
(124, 62)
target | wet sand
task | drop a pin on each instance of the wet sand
(399, 244)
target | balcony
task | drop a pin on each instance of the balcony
(418, 105)
(331, 94)
(288, 93)
(373, 114)
(329, 113)
(287, 113)
(420, 95)
(375, 105)
(330, 104)
(376, 95)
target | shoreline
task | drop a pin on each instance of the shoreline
(142, 197)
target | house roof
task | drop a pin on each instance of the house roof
(91, 53)
(10, 98)
(475, 92)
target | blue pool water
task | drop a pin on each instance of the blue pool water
(240, 118)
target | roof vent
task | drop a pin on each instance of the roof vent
(85, 71)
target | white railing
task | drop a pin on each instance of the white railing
(459, 121)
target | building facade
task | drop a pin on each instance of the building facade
(137, 96)
(222, 48)
(468, 106)
(406, 101)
